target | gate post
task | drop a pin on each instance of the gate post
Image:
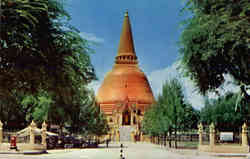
(44, 135)
(212, 135)
(32, 132)
(200, 127)
(244, 135)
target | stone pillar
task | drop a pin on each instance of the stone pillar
(132, 118)
(1, 132)
(212, 134)
(32, 132)
(44, 135)
(117, 136)
(113, 135)
(120, 114)
(200, 127)
(244, 135)
(132, 136)
(141, 137)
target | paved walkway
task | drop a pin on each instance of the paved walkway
(131, 151)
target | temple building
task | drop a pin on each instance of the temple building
(125, 93)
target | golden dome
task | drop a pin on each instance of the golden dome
(125, 81)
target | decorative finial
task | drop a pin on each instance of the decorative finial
(126, 13)
(44, 124)
(33, 124)
(244, 126)
(212, 127)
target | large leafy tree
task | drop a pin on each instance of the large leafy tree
(215, 42)
(40, 50)
(45, 64)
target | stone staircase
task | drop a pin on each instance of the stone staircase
(125, 133)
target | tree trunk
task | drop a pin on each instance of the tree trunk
(175, 138)
(170, 138)
(164, 140)
(61, 130)
(175, 127)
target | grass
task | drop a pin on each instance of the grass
(188, 145)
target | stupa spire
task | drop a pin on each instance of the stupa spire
(126, 51)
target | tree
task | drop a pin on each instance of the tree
(170, 113)
(215, 42)
(86, 117)
(40, 50)
(191, 117)
(222, 112)
(12, 114)
(45, 66)
(37, 107)
(155, 121)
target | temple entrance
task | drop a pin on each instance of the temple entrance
(126, 117)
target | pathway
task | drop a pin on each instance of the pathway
(131, 151)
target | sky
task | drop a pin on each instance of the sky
(156, 31)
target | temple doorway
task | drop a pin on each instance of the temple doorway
(126, 117)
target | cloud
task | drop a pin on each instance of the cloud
(227, 86)
(158, 77)
(95, 85)
(91, 37)
(190, 91)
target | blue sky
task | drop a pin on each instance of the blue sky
(156, 31)
(155, 28)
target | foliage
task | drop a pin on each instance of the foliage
(222, 112)
(37, 107)
(191, 117)
(170, 112)
(45, 67)
(215, 42)
(98, 125)
(86, 117)
(11, 113)
(80, 116)
(154, 122)
(40, 50)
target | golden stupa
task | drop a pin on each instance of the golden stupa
(125, 93)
